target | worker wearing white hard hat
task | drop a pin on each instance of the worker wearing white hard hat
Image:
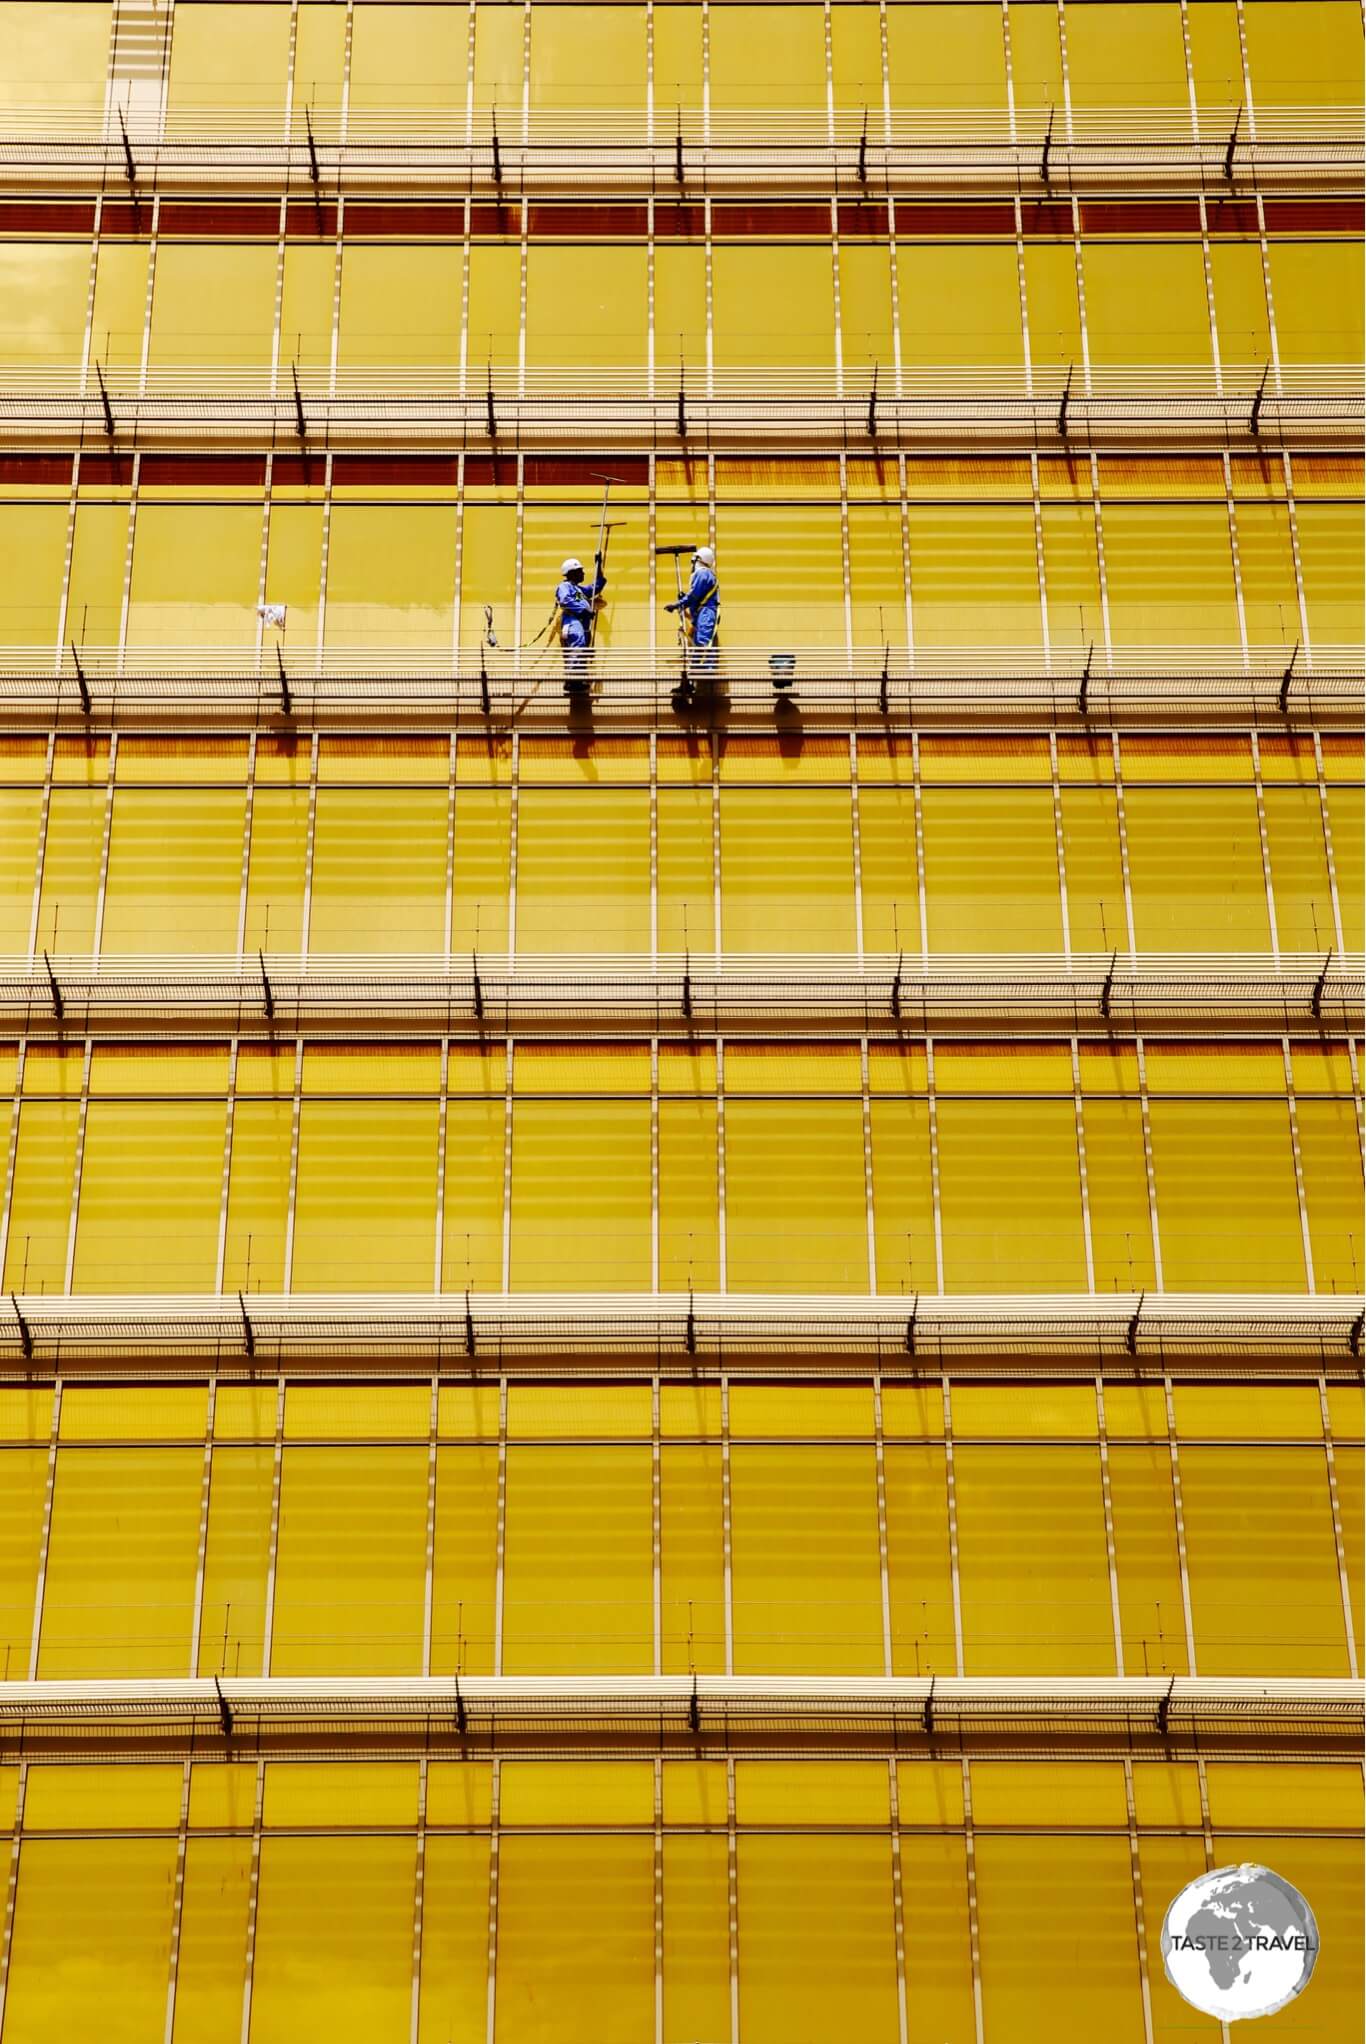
(700, 605)
(577, 607)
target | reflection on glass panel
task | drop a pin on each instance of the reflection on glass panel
(91, 1949)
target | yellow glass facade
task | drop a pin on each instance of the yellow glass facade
(1012, 407)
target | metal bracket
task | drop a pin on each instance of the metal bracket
(300, 422)
(58, 1004)
(896, 985)
(927, 1715)
(1232, 145)
(883, 682)
(497, 152)
(1164, 1710)
(130, 167)
(224, 1708)
(25, 1331)
(908, 1342)
(1354, 1339)
(286, 699)
(681, 422)
(470, 1344)
(679, 177)
(1254, 424)
(267, 990)
(872, 406)
(687, 987)
(694, 1714)
(478, 987)
(462, 1721)
(248, 1331)
(1084, 692)
(1283, 694)
(1131, 1332)
(862, 170)
(1047, 146)
(1320, 988)
(490, 415)
(1066, 402)
(104, 400)
(1108, 986)
(86, 705)
(690, 1327)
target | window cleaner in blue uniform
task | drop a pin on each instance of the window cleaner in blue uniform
(700, 606)
(578, 608)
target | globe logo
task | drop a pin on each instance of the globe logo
(1239, 1942)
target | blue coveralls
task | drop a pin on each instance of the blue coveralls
(702, 602)
(577, 605)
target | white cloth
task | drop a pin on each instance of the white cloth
(272, 613)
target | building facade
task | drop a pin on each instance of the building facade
(680, 1361)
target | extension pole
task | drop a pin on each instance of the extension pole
(607, 482)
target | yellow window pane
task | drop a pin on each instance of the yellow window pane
(400, 307)
(1329, 1870)
(877, 576)
(1240, 300)
(1025, 1411)
(934, 1889)
(1265, 1591)
(196, 569)
(1117, 1193)
(625, 617)
(560, 82)
(787, 871)
(319, 61)
(237, 1558)
(43, 288)
(752, 66)
(579, 1412)
(583, 870)
(974, 900)
(1044, 1974)
(1218, 1067)
(796, 1201)
(918, 1562)
(309, 1793)
(1351, 1482)
(175, 871)
(20, 824)
(213, 302)
(812, 1792)
(778, 1068)
(55, 57)
(459, 1792)
(334, 1938)
(294, 572)
(807, 1590)
(1317, 288)
(1048, 1794)
(85, 1798)
(1303, 56)
(99, 552)
(352, 1561)
(379, 871)
(1054, 309)
(684, 857)
(493, 321)
(887, 860)
(1010, 1196)
(40, 1196)
(954, 550)
(307, 300)
(1145, 303)
(32, 564)
(801, 1412)
(472, 1245)
(680, 304)
(817, 1943)
(678, 67)
(692, 1582)
(175, 1153)
(1094, 869)
(600, 1149)
(1270, 599)
(365, 1210)
(1195, 869)
(688, 1196)
(483, 840)
(1036, 57)
(1320, 1068)
(866, 306)
(211, 1959)
(391, 577)
(1072, 579)
(119, 1591)
(226, 57)
(25, 1415)
(586, 305)
(407, 60)
(946, 56)
(578, 1577)
(773, 305)
(575, 1940)
(453, 2004)
(1331, 549)
(913, 1410)
(1122, 56)
(92, 1939)
(960, 305)
(546, 1792)
(778, 587)
(1147, 1562)
(173, 1412)
(1299, 869)
(1169, 572)
(157, 1071)
(276, 868)
(23, 1491)
(903, 1202)
(468, 1411)
(1226, 1201)
(696, 1939)
(1167, 1792)
(1249, 1412)
(258, 1196)
(1034, 1579)
(1330, 1153)
(1344, 814)
(465, 1561)
(1217, 68)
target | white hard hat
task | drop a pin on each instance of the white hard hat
(706, 555)
(570, 565)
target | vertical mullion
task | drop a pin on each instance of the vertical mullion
(1140, 1915)
(722, 1248)
(1207, 1838)
(296, 1120)
(856, 828)
(1297, 1157)
(499, 1597)
(1122, 825)
(1264, 847)
(177, 1903)
(248, 825)
(253, 1899)
(733, 1900)
(40, 849)
(439, 1251)
(654, 825)
(845, 565)
(1107, 1502)
(974, 1925)
(1181, 1556)
(73, 1223)
(45, 1536)
(1058, 839)
(727, 1557)
(7, 1165)
(12, 1885)
(654, 1164)
(325, 556)
(1088, 1240)
(1145, 1119)
(951, 1505)
(130, 541)
(917, 795)
(1236, 551)
(515, 773)
(495, 1834)
(103, 885)
(429, 1574)
(73, 504)
(508, 1109)
(273, 1553)
(451, 816)
(202, 1548)
(419, 1900)
(229, 1124)
(933, 1102)
(883, 1557)
(310, 842)
(1339, 1542)
(869, 1212)
(898, 1902)
(656, 1529)
(659, 1894)
(1321, 784)
(1293, 521)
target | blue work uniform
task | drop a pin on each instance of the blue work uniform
(577, 606)
(702, 603)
